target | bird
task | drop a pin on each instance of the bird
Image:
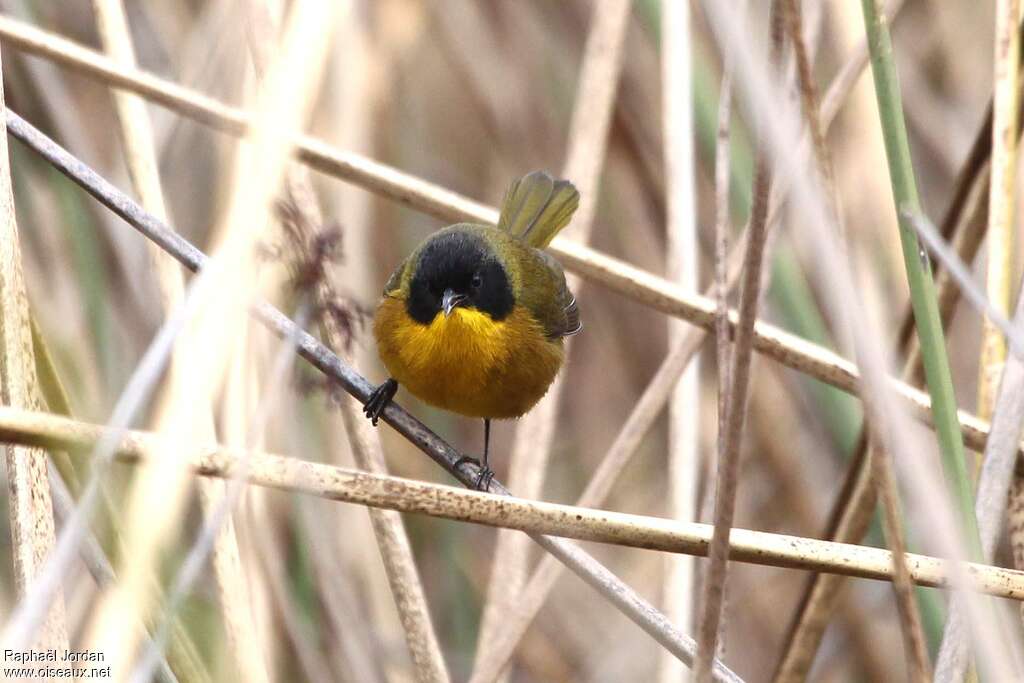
(473, 320)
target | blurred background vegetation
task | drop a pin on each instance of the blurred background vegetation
(469, 95)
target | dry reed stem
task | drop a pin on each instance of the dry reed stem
(727, 477)
(588, 139)
(143, 167)
(722, 226)
(1001, 199)
(632, 282)
(681, 266)
(536, 517)
(364, 67)
(915, 647)
(389, 531)
(31, 509)
(723, 342)
(158, 494)
(579, 562)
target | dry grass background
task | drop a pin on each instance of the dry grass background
(468, 95)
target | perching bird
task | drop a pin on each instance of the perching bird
(473, 320)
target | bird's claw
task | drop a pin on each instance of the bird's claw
(484, 475)
(379, 400)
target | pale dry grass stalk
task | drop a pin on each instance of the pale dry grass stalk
(535, 433)
(143, 167)
(910, 619)
(727, 475)
(723, 223)
(1004, 153)
(723, 340)
(158, 493)
(681, 267)
(362, 67)
(622, 597)
(364, 441)
(452, 502)
(31, 508)
(1002, 189)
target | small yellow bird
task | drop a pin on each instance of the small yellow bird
(473, 320)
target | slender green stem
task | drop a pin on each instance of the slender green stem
(919, 272)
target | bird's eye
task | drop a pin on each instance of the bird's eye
(478, 281)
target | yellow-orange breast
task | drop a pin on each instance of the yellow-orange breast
(468, 363)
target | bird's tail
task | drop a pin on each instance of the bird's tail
(537, 206)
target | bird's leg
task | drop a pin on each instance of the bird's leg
(484, 473)
(379, 400)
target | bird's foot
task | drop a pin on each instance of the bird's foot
(379, 400)
(484, 474)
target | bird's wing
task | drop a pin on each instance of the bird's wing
(563, 318)
(393, 286)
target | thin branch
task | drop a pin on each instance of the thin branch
(583, 565)
(625, 445)
(496, 510)
(727, 479)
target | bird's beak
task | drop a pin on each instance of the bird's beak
(450, 300)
